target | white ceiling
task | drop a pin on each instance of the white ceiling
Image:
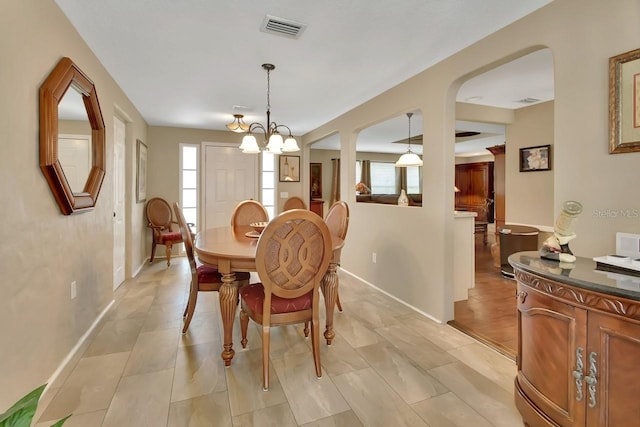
(195, 63)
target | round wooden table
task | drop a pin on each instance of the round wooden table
(232, 252)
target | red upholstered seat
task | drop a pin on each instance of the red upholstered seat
(253, 296)
(174, 236)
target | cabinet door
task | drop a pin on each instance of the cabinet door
(615, 344)
(550, 332)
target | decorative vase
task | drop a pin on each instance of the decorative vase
(403, 200)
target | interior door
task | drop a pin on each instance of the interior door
(229, 177)
(119, 129)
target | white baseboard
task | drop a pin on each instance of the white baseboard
(417, 310)
(73, 353)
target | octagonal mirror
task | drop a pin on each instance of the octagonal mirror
(72, 138)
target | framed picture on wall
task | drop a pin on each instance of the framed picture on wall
(315, 181)
(289, 168)
(535, 158)
(624, 102)
(141, 172)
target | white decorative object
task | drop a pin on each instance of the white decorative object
(403, 200)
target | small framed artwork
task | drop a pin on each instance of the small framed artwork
(535, 158)
(315, 180)
(289, 168)
(141, 172)
(624, 102)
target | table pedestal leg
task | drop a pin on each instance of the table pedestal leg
(228, 303)
(330, 292)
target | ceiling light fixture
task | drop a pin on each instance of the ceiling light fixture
(272, 137)
(409, 158)
(238, 125)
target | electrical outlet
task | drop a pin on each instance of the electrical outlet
(373, 257)
(74, 289)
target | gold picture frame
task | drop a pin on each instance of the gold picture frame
(141, 172)
(624, 102)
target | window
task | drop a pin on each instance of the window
(269, 183)
(413, 180)
(383, 178)
(189, 183)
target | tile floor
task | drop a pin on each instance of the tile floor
(388, 366)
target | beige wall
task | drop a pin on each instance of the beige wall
(529, 195)
(43, 250)
(414, 248)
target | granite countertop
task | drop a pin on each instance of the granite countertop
(582, 274)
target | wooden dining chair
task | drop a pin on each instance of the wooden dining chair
(247, 212)
(337, 220)
(294, 202)
(203, 277)
(292, 256)
(160, 220)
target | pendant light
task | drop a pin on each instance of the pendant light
(275, 143)
(409, 158)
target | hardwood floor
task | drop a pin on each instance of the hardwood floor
(489, 314)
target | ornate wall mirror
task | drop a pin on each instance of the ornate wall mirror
(68, 140)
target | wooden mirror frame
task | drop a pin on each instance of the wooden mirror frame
(63, 76)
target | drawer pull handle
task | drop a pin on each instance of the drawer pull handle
(522, 296)
(578, 375)
(591, 379)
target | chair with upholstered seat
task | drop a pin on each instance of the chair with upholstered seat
(294, 202)
(160, 220)
(337, 220)
(203, 277)
(247, 212)
(292, 256)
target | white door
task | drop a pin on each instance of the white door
(119, 129)
(229, 177)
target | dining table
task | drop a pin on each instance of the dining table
(233, 249)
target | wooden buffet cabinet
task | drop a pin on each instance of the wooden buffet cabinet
(578, 344)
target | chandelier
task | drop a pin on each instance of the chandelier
(409, 158)
(272, 137)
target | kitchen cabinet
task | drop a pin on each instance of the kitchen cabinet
(578, 344)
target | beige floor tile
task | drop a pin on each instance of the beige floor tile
(343, 419)
(244, 384)
(163, 316)
(153, 351)
(211, 410)
(204, 328)
(169, 295)
(287, 340)
(131, 307)
(310, 398)
(141, 401)
(85, 391)
(90, 419)
(444, 336)
(273, 416)
(447, 410)
(340, 357)
(139, 290)
(371, 315)
(374, 402)
(354, 332)
(489, 363)
(419, 349)
(116, 336)
(199, 371)
(410, 382)
(481, 394)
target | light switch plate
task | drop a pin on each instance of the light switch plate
(284, 194)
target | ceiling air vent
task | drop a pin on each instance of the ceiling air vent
(528, 100)
(282, 27)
